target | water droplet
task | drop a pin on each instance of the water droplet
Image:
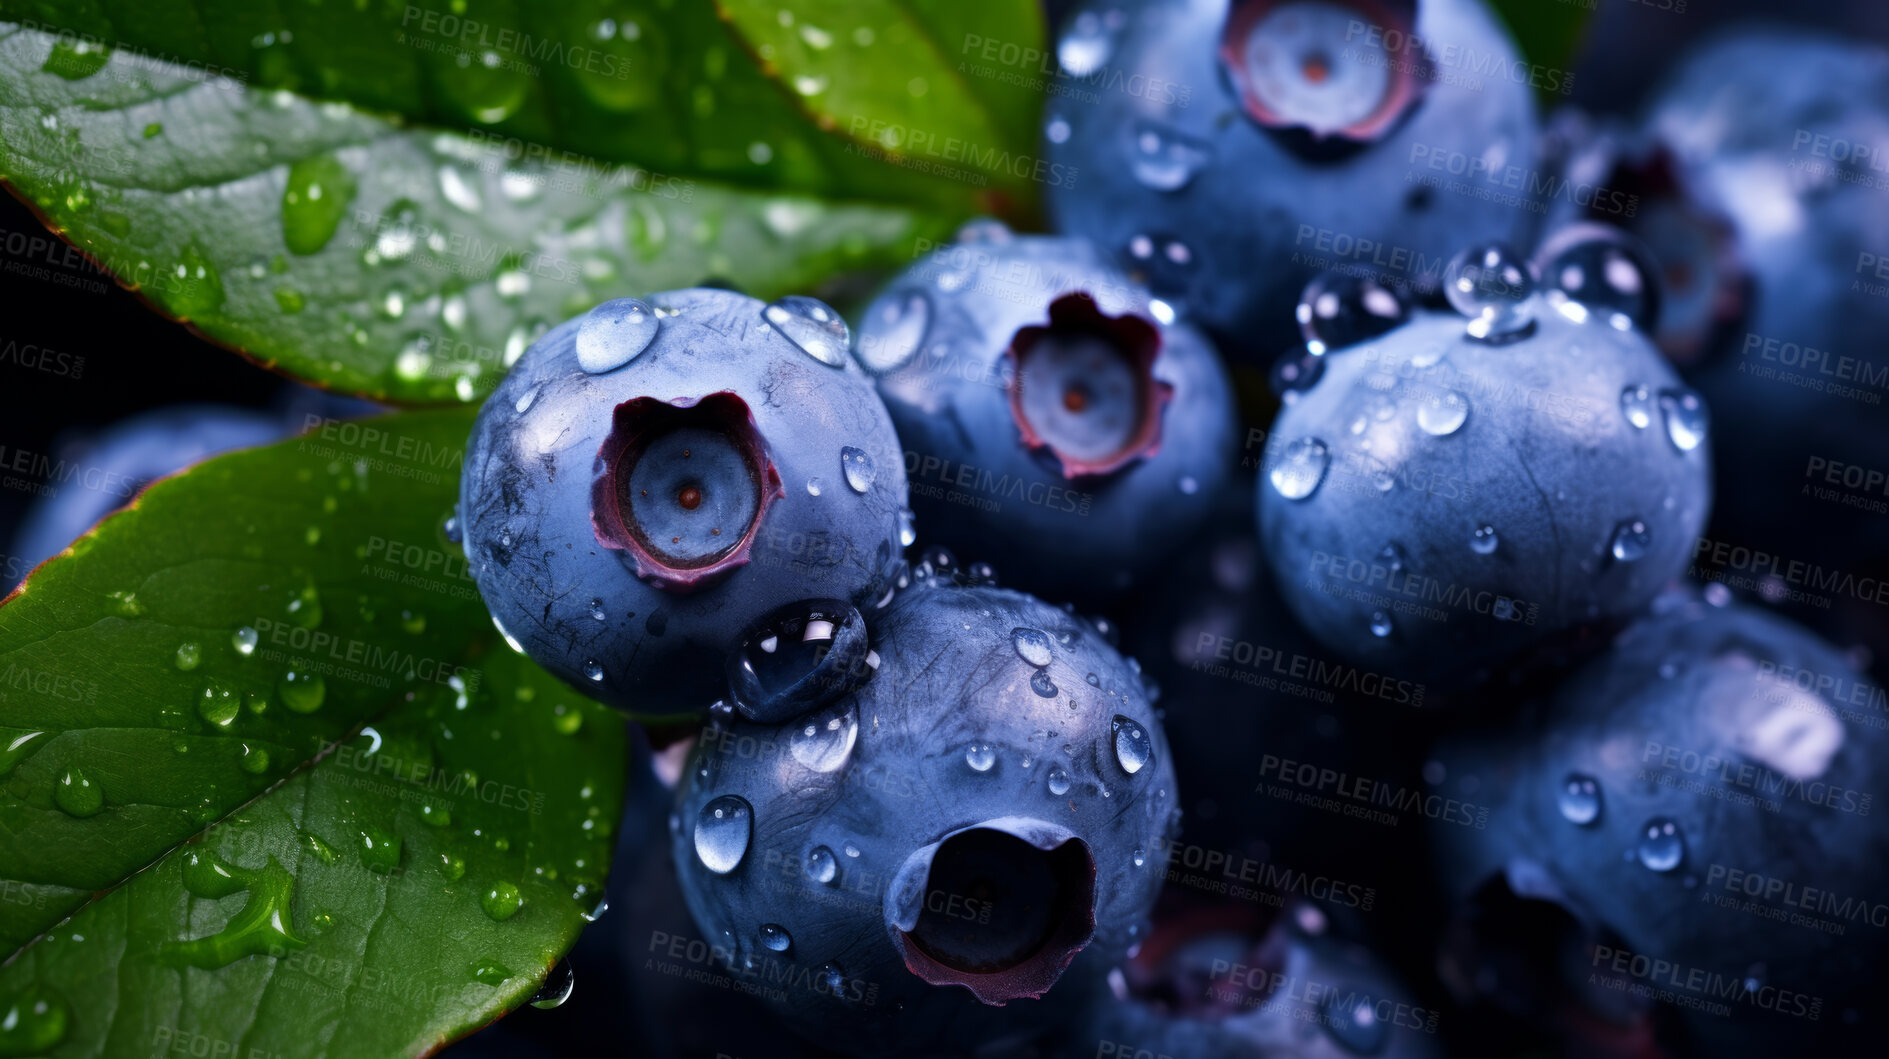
(858, 469)
(1041, 683)
(1058, 781)
(1056, 130)
(1087, 44)
(76, 794)
(254, 760)
(1637, 405)
(557, 987)
(834, 980)
(1393, 557)
(980, 756)
(1484, 540)
(615, 333)
(453, 867)
(315, 198)
(380, 850)
(1604, 271)
(188, 655)
(813, 326)
(457, 190)
(813, 486)
(1140, 857)
(894, 330)
(75, 60)
(1350, 1018)
(722, 832)
(1134, 747)
(1662, 846)
(776, 937)
(1300, 469)
(822, 866)
(593, 670)
(908, 528)
(824, 741)
(33, 1021)
(491, 973)
(1630, 541)
(1340, 309)
(851, 850)
(1162, 263)
(1165, 160)
(1579, 799)
(1033, 646)
(1495, 288)
(301, 691)
(1442, 413)
(218, 704)
(435, 815)
(1686, 419)
(502, 901)
(1380, 624)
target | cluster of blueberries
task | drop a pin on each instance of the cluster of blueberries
(1442, 745)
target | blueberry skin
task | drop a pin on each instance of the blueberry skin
(1259, 217)
(952, 691)
(527, 505)
(124, 459)
(978, 488)
(1710, 717)
(1805, 219)
(1383, 561)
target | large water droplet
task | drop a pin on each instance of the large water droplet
(722, 832)
(1340, 309)
(813, 326)
(1165, 160)
(314, 200)
(1087, 44)
(1495, 287)
(894, 330)
(557, 987)
(1603, 270)
(615, 333)
(1381, 626)
(1300, 469)
(1058, 781)
(775, 937)
(32, 1021)
(501, 901)
(1662, 845)
(1686, 419)
(1134, 748)
(824, 741)
(1630, 541)
(218, 704)
(1033, 646)
(1483, 540)
(245, 640)
(822, 866)
(1636, 403)
(858, 469)
(76, 794)
(1350, 1019)
(1579, 799)
(1441, 413)
(980, 756)
(380, 850)
(302, 691)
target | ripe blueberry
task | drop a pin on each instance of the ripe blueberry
(1236, 149)
(923, 858)
(1056, 423)
(654, 477)
(1438, 501)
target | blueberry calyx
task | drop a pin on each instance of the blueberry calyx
(1296, 71)
(1082, 386)
(1000, 907)
(683, 488)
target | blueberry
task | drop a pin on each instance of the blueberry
(965, 830)
(653, 478)
(1701, 795)
(1227, 152)
(121, 461)
(1770, 130)
(1212, 981)
(1439, 502)
(1056, 423)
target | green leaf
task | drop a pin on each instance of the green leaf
(270, 776)
(939, 81)
(1548, 35)
(369, 254)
